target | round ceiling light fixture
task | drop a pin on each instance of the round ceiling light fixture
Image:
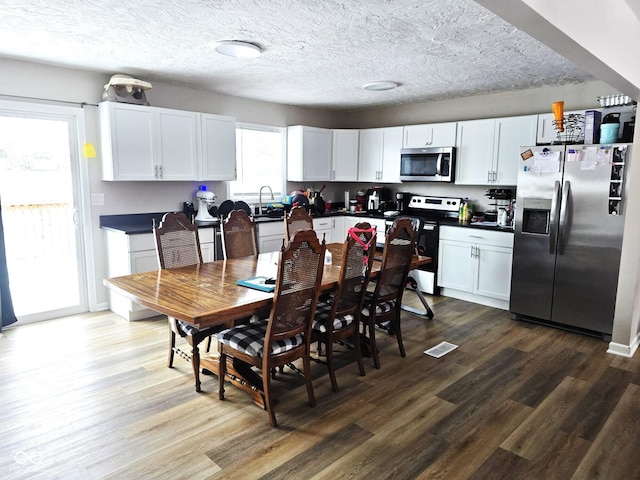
(380, 86)
(238, 49)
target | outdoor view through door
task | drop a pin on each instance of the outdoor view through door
(38, 159)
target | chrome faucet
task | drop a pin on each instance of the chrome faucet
(260, 197)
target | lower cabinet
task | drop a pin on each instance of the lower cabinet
(129, 254)
(324, 228)
(270, 236)
(475, 265)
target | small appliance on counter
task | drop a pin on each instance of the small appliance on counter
(379, 200)
(205, 199)
(402, 201)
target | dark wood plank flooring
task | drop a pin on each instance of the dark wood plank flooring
(90, 397)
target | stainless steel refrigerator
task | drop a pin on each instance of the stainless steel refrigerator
(569, 220)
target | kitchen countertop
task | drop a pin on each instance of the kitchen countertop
(139, 223)
(136, 223)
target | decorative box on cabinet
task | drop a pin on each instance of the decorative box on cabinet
(309, 154)
(148, 143)
(475, 265)
(488, 149)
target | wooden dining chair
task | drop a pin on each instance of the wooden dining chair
(286, 335)
(298, 219)
(382, 306)
(337, 319)
(178, 245)
(239, 235)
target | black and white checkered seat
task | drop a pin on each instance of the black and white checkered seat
(380, 309)
(187, 328)
(323, 310)
(249, 339)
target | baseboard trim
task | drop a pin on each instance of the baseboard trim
(623, 350)
(470, 297)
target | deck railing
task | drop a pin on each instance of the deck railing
(35, 231)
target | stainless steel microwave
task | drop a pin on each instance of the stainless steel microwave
(427, 164)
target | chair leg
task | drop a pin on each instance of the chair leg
(222, 371)
(358, 349)
(268, 400)
(396, 321)
(306, 362)
(195, 362)
(172, 346)
(372, 343)
(330, 367)
(209, 343)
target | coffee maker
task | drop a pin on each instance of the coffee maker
(402, 201)
(378, 199)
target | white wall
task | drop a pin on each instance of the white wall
(35, 81)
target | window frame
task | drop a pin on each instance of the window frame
(254, 197)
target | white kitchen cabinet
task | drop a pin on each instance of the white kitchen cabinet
(218, 147)
(270, 236)
(345, 155)
(547, 132)
(487, 151)
(323, 227)
(309, 154)
(379, 155)
(475, 265)
(129, 254)
(148, 143)
(429, 135)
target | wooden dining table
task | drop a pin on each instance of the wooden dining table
(207, 294)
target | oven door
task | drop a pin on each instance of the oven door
(427, 244)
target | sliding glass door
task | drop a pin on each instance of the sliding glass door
(39, 191)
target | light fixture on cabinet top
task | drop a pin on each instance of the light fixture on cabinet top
(380, 86)
(238, 49)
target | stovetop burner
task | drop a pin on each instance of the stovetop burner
(434, 207)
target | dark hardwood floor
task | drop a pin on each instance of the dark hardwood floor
(90, 397)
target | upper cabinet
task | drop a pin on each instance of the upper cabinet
(309, 154)
(547, 132)
(488, 150)
(345, 155)
(148, 143)
(151, 143)
(431, 135)
(379, 155)
(218, 143)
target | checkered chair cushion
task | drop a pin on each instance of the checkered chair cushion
(187, 328)
(249, 339)
(323, 310)
(380, 309)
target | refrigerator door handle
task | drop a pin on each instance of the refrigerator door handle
(562, 230)
(553, 216)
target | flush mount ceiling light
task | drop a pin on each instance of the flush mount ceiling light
(238, 49)
(380, 86)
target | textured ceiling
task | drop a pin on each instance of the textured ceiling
(316, 53)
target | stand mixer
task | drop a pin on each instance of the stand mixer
(205, 199)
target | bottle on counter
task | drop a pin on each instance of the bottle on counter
(468, 211)
(461, 210)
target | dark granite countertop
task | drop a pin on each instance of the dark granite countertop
(135, 223)
(138, 223)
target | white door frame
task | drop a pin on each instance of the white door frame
(80, 173)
